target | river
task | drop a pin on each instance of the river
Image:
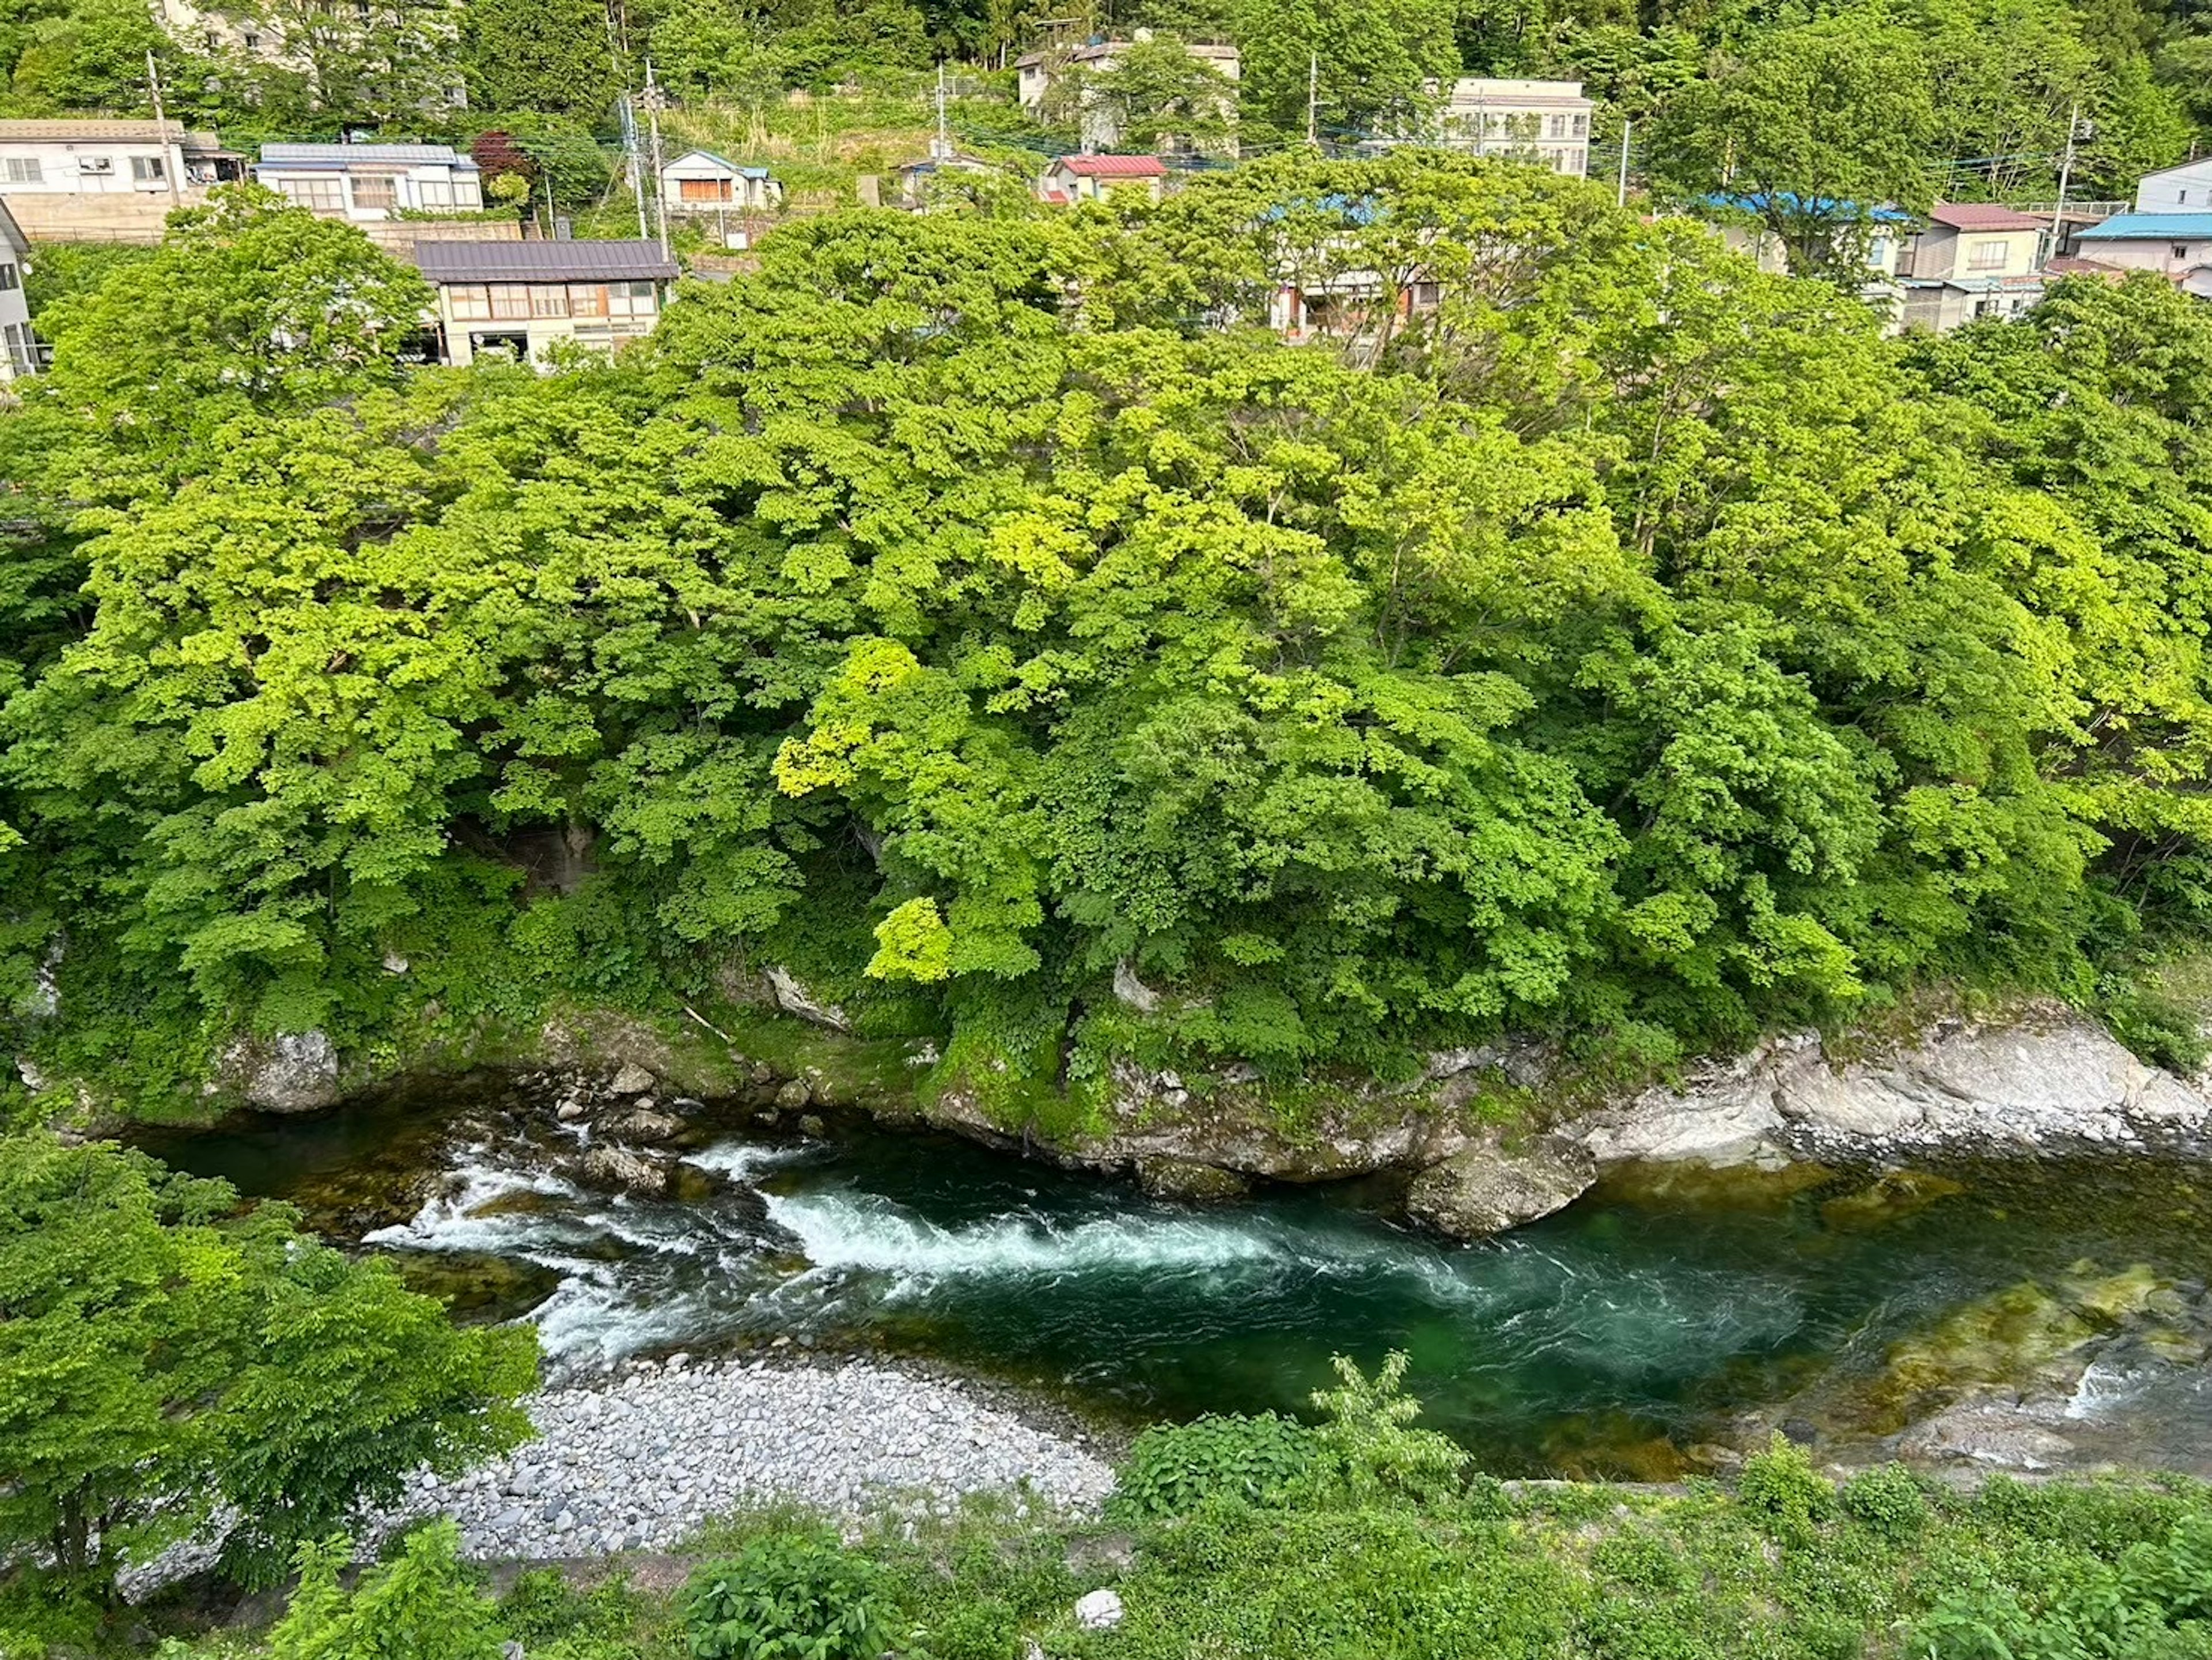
(1614, 1338)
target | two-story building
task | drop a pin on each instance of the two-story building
(2184, 189)
(1971, 260)
(524, 298)
(700, 181)
(367, 183)
(1092, 178)
(89, 158)
(1036, 73)
(20, 352)
(1545, 121)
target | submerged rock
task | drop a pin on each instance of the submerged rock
(1487, 1189)
(1891, 1197)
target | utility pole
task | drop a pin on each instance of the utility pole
(628, 124)
(941, 148)
(2065, 178)
(1621, 191)
(1313, 100)
(653, 102)
(173, 162)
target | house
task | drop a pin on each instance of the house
(1546, 121)
(700, 181)
(2178, 246)
(524, 298)
(1038, 72)
(19, 351)
(367, 183)
(86, 158)
(1091, 177)
(2184, 189)
(1971, 260)
(918, 179)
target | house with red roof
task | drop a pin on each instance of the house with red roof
(1973, 260)
(1090, 178)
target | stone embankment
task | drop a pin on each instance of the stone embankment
(637, 1461)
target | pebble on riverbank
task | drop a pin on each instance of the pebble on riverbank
(639, 1462)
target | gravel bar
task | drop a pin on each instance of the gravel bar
(637, 1462)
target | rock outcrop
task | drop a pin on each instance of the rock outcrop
(1488, 1188)
(293, 1072)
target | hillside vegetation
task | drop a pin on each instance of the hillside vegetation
(969, 612)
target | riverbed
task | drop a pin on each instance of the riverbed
(1629, 1335)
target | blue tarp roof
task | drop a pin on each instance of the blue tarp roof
(1825, 207)
(2151, 228)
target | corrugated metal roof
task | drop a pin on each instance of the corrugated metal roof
(543, 262)
(343, 155)
(1983, 215)
(128, 133)
(1114, 166)
(2151, 228)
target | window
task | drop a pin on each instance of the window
(323, 195)
(469, 302)
(376, 190)
(22, 170)
(251, 40)
(509, 301)
(9, 276)
(468, 193)
(703, 190)
(548, 300)
(630, 300)
(148, 169)
(1985, 256)
(434, 192)
(587, 300)
(1581, 127)
(95, 164)
(2181, 249)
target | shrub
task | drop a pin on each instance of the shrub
(795, 1595)
(1370, 1451)
(1782, 1489)
(421, 1605)
(1886, 1502)
(1174, 1467)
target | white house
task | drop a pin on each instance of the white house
(700, 181)
(1039, 71)
(365, 183)
(522, 298)
(2178, 246)
(1092, 178)
(1974, 260)
(1546, 121)
(19, 347)
(87, 158)
(2184, 189)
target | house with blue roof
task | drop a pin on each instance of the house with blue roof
(700, 181)
(367, 183)
(2178, 246)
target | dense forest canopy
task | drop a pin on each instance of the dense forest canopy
(982, 617)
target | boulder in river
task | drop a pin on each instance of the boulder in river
(630, 1079)
(1487, 1189)
(292, 1072)
(627, 1170)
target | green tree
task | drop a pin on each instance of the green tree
(1373, 63)
(91, 57)
(1814, 128)
(419, 1605)
(154, 1348)
(1158, 95)
(518, 56)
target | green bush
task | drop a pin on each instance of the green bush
(1173, 1467)
(795, 1595)
(1369, 1452)
(421, 1605)
(1887, 1502)
(1784, 1493)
